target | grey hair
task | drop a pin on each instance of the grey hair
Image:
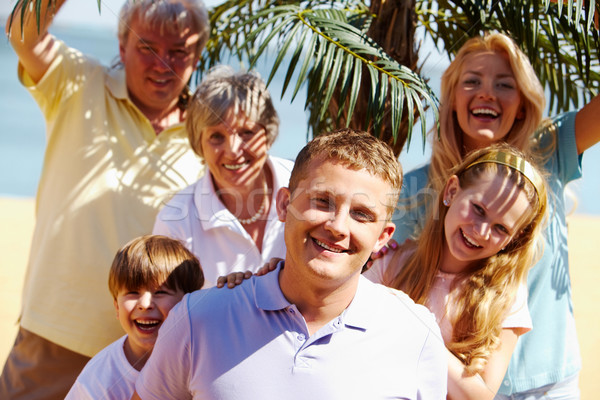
(171, 16)
(222, 90)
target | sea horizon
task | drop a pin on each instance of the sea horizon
(22, 127)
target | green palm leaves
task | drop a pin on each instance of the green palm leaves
(328, 50)
(560, 39)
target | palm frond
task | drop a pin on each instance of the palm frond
(559, 38)
(329, 52)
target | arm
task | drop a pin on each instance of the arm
(34, 47)
(135, 396)
(587, 125)
(486, 384)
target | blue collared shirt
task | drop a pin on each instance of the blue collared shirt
(251, 343)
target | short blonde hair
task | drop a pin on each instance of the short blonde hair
(223, 91)
(166, 16)
(356, 150)
(153, 260)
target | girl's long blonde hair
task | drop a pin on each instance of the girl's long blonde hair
(487, 290)
(448, 149)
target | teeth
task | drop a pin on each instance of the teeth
(234, 167)
(468, 240)
(487, 111)
(147, 323)
(326, 247)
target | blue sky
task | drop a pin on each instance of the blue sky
(85, 12)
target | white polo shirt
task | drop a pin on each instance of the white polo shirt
(197, 217)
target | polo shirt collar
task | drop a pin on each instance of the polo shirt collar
(116, 84)
(360, 311)
(357, 315)
(211, 211)
(268, 295)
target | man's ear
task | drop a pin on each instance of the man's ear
(384, 236)
(122, 52)
(451, 189)
(283, 202)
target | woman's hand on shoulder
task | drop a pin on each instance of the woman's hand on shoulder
(233, 279)
(392, 245)
(236, 278)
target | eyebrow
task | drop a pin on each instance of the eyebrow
(481, 73)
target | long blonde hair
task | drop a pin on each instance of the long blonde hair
(447, 149)
(488, 290)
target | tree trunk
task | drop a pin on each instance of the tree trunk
(393, 28)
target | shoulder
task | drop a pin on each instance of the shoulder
(113, 351)
(212, 302)
(414, 181)
(419, 174)
(399, 307)
(282, 168)
(181, 201)
(107, 372)
(281, 162)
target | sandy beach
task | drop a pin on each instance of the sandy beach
(17, 220)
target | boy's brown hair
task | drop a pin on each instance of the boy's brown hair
(151, 261)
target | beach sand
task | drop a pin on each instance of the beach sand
(17, 220)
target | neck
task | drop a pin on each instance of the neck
(160, 119)
(253, 197)
(318, 304)
(136, 359)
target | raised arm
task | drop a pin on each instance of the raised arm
(33, 46)
(587, 125)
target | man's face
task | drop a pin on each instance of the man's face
(333, 221)
(157, 66)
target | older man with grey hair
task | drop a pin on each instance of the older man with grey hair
(117, 149)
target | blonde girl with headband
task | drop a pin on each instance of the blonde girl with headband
(490, 94)
(469, 266)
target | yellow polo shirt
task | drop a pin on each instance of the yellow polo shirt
(105, 176)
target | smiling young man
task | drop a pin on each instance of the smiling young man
(117, 150)
(314, 328)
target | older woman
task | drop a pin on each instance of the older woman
(228, 217)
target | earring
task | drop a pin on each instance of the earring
(446, 202)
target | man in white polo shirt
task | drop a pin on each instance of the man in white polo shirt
(314, 328)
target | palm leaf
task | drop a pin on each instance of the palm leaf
(332, 38)
(560, 39)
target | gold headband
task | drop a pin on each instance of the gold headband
(515, 162)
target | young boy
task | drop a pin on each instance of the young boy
(315, 328)
(149, 275)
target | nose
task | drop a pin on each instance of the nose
(162, 60)
(486, 91)
(145, 301)
(482, 228)
(337, 224)
(236, 144)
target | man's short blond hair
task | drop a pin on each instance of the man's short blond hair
(356, 150)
